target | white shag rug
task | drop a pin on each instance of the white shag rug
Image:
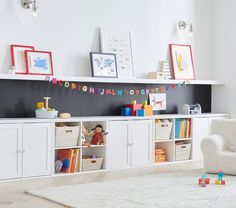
(167, 190)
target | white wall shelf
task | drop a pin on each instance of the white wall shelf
(109, 80)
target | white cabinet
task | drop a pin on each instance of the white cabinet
(37, 149)
(129, 143)
(25, 150)
(10, 149)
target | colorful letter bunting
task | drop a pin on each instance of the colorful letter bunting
(86, 88)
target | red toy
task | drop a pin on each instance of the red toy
(97, 138)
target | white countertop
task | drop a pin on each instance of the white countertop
(106, 118)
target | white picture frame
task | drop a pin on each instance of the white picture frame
(158, 101)
(119, 42)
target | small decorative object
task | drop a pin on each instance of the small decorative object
(165, 70)
(140, 112)
(119, 42)
(45, 112)
(134, 107)
(39, 62)
(192, 109)
(158, 101)
(65, 115)
(182, 61)
(11, 70)
(103, 64)
(97, 138)
(160, 155)
(18, 58)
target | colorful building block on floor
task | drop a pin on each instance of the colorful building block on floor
(126, 111)
(205, 180)
(217, 182)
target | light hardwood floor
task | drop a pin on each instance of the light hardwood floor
(12, 193)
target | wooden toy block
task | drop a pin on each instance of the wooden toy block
(134, 108)
(217, 182)
(205, 180)
(126, 111)
(140, 112)
(148, 110)
(134, 102)
(222, 182)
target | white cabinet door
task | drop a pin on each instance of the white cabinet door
(10, 151)
(201, 129)
(118, 145)
(141, 140)
(36, 149)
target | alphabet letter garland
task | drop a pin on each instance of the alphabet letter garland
(83, 88)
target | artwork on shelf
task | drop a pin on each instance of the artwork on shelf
(39, 62)
(119, 43)
(18, 57)
(158, 101)
(182, 61)
(103, 64)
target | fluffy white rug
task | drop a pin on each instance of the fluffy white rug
(168, 190)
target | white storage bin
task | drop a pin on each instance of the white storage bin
(91, 164)
(182, 151)
(163, 130)
(67, 136)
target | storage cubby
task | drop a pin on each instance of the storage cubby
(163, 129)
(67, 134)
(168, 147)
(93, 158)
(67, 160)
(89, 137)
(183, 150)
(183, 128)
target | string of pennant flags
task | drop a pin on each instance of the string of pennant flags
(84, 88)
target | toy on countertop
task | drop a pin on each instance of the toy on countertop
(97, 138)
(219, 180)
(65, 115)
(43, 111)
(204, 180)
(135, 109)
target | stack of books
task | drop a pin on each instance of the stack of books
(182, 128)
(160, 155)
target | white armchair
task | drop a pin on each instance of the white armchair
(219, 149)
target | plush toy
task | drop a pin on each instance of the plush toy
(97, 138)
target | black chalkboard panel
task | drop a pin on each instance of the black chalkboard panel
(19, 98)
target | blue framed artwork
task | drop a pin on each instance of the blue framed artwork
(39, 62)
(103, 65)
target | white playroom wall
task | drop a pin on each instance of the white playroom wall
(224, 53)
(70, 30)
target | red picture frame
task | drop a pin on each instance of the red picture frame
(39, 62)
(182, 61)
(18, 57)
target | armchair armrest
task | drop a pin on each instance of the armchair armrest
(212, 144)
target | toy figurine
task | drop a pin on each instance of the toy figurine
(97, 138)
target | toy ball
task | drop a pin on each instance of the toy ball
(40, 105)
(165, 121)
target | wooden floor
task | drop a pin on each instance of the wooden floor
(12, 193)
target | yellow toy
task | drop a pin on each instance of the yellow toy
(40, 105)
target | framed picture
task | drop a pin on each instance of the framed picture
(182, 61)
(39, 62)
(158, 101)
(103, 64)
(119, 43)
(18, 57)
